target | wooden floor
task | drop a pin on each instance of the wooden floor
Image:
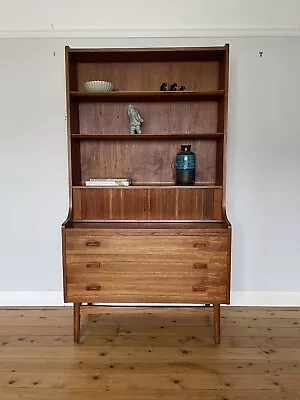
(145, 357)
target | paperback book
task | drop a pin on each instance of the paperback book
(108, 182)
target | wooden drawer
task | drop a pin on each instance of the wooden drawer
(148, 289)
(144, 281)
(95, 266)
(159, 269)
(164, 245)
(218, 258)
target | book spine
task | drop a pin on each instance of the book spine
(109, 180)
(95, 183)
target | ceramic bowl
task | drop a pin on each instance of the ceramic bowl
(98, 86)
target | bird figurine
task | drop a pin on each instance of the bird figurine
(182, 88)
(173, 87)
(164, 87)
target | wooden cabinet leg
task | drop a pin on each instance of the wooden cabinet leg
(217, 323)
(76, 315)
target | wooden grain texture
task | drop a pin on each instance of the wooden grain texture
(167, 245)
(146, 96)
(146, 162)
(208, 267)
(148, 76)
(138, 55)
(76, 323)
(180, 228)
(149, 356)
(161, 118)
(148, 290)
(167, 203)
(146, 136)
(223, 116)
(203, 70)
(217, 322)
(159, 310)
(114, 269)
(198, 112)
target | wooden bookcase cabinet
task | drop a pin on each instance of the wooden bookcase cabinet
(152, 242)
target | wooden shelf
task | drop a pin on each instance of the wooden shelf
(152, 186)
(148, 136)
(120, 96)
(137, 55)
(157, 226)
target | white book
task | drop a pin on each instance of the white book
(107, 183)
(109, 179)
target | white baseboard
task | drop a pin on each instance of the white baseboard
(31, 298)
(260, 298)
(238, 298)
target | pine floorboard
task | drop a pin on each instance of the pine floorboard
(149, 356)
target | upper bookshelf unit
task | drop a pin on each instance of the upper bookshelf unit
(101, 145)
(143, 70)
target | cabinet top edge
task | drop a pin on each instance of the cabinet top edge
(143, 54)
(145, 49)
(159, 228)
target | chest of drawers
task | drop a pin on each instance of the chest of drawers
(133, 265)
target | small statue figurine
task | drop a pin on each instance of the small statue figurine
(173, 87)
(164, 87)
(135, 120)
(182, 88)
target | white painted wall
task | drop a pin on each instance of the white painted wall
(137, 14)
(263, 165)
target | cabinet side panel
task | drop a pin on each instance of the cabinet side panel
(223, 114)
(77, 204)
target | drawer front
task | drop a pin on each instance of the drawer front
(134, 269)
(139, 259)
(145, 281)
(83, 266)
(164, 245)
(146, 290)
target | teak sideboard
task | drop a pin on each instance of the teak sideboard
(153, 242)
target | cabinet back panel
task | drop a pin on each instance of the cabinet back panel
(146, 162)
(134, 203)
(173, 117)
(195, 76)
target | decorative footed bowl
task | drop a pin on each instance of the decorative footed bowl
(98, 86)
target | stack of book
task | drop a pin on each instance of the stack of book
(108, 182)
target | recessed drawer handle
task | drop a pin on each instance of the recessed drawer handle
(93, 265)
(93, 287)
(93, 243)
(198, 289)
(198, 245)
(200, 266)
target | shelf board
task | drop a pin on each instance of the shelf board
(151, 186)
(178, 54)
(119, 96)
(158, 225)
(148, 136)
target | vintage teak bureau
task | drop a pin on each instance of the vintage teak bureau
(154, 241)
